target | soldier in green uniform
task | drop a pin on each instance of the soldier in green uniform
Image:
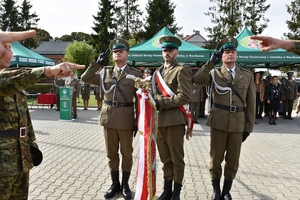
(58, 82)
(19, 152)
(85, 94)
(289, 89)
(232, 115)
(171, 120)
(117, 116)
(73, 83)
(195, 102)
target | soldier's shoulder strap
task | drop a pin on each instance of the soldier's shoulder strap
(135, 69)
(246, 70)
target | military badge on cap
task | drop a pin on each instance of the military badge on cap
(169, 42)
(229, 43)
(119, 44)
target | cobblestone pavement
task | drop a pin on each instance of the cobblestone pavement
(75, 164)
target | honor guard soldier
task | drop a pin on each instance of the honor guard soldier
(170, 100)
(73, 83)
(117, 116)
(232, 115)
(58, 82)
(289, 95)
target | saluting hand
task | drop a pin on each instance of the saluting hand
(216, 57)
(62, 70)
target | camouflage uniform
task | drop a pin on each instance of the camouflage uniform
(15, 156)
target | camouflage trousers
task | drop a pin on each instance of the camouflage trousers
(14, 187)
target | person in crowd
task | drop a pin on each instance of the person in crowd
(266, 81)
(147, 73)
(289, 88)
(203, 96)
(73, 83)
(85, 94)
(19, 151)
(172, 88)
(274, 99)
(259, 87)
(58, 83)
(117, 115)
(262, 103)
(195, 102)
(298, 103)
(98, 96)
(232, 115)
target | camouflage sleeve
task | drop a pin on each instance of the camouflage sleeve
(296, 48)
(15, 80)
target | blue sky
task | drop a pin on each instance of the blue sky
(60, 17)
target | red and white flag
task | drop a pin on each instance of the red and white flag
(147, 128)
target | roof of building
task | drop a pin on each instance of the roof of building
(52, 47)
(195, 39)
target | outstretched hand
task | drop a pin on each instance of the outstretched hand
(62, 70)
(269, 43)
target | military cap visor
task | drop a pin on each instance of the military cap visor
(119, 44)
(227, 44)
(169, 42)
(147, 71)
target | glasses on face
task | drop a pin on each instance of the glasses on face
(120, 51)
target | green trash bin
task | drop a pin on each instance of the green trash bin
(65, 103)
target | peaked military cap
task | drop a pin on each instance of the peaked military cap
(119, 44)
(290, 73)
(169, 42)
(147, 70)
(229, 43)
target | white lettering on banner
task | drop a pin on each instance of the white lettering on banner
(244, 57)
(293, 57)
(32, 60)
(195, 56)
(23, 59)
(41, 61)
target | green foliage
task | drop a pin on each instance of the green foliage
(39, 88)
(294, 23)
(81, 36)
(104, 26)
(66, 38)
(229, 17)
(160, 14)
(10, 19)
(129, 20)
(28, 21)
(81, 53)
(42, 35)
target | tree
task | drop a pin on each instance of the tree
(9, 16)
(80, 36)
(294, 22)
(81, 53)
(42, 35)
(160, 14)
(104, 26)
(66, 38)
(231, 16)
(129, 21)
(28, 21)
(254, 13)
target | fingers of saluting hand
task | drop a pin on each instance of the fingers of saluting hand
(9, 37)
(74, 66)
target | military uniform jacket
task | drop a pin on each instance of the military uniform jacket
(114, 117)
(179, 79)
(74, 83)
(58, 83)
(289, 89)
(196, 93)
(15, 155)
(244, 84)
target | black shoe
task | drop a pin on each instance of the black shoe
(196, 122)
(290, 118)
(115, 187)
(284, 117)
(74, 117)
(126, 192)
(57, 109)
(216, 189)
(167, 193)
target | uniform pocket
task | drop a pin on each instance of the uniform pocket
(8, 160)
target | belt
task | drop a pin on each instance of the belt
(20, 133)
(118, 104)
(228, 108)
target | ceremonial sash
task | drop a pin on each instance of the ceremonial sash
(146, 167)
(167, 92)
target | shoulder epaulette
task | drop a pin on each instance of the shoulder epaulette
(135, 69)
(246, 70)
(182, 64)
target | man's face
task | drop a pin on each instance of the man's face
(169, 55)
(120, 55)
(6, 56)
(229, 56)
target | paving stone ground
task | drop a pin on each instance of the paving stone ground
(75, 164)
